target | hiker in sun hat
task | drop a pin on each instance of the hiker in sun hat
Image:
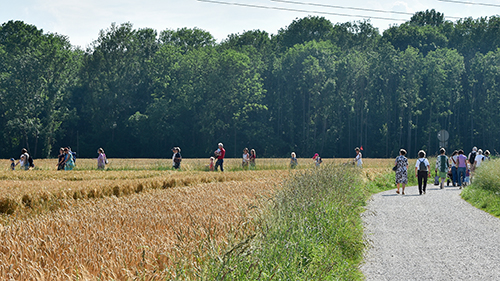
(358, 159)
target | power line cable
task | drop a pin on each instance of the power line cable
(296, 10)
(469, 3)
(349, 8)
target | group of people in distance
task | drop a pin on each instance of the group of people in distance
(458, 168)
(358, 160)
(25, 161)
(66, 160)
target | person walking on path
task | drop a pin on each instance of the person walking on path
(422, 171)
(442, 166)
(454, 172)
(461, 167)
(401, 171)
(472, 158)
(220, 153)
(479, 159)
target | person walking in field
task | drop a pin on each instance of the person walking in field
(293, 160)
(68, 160)
(61, 159)
(487, 155)
(245, 158)
(211, 165)
(176, 158)
(252, 159)
(220, 153)
(12, 164)
(317, 160)
(102, 160)
(358, 159)
(442, 166)
(401, 164)
(422, 171)
(24, 160)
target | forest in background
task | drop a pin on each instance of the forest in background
(313, 87)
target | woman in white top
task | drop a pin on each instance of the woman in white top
(422, 171)
(358, 159)
(479, 159)
(246, 158)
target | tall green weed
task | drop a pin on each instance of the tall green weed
(311, 231)
(484, 192)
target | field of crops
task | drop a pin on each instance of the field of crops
(137, 219)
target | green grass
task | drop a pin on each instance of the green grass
(484, 192)
(312, 230)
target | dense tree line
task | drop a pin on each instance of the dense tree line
(312, 87)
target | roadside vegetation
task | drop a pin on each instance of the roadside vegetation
(484, 192)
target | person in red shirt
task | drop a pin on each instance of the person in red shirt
(220, 153)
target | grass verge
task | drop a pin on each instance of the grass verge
(312, 230)
(484, 192)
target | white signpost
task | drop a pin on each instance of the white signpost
(443, 137)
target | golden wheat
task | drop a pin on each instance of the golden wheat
(141, 236)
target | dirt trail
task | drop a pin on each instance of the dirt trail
(436, 236)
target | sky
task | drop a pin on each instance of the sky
(81, 20)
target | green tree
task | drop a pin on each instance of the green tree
(39, 70)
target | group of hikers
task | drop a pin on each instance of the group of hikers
(66, 160)
(217, 160)
(358, 160)
(458, 168)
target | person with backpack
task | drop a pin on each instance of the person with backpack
(317, 160)
(461, 167)
(472, 158)
(177, 158)
(422, 171)
(24, 160)
(442, 165)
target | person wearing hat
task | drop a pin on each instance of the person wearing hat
(358, 159)
(317, 160)
(176, 158)
(12, 164)
(220, 153)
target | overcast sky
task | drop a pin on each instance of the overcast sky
(82, 20)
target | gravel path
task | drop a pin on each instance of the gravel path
(436, 236)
